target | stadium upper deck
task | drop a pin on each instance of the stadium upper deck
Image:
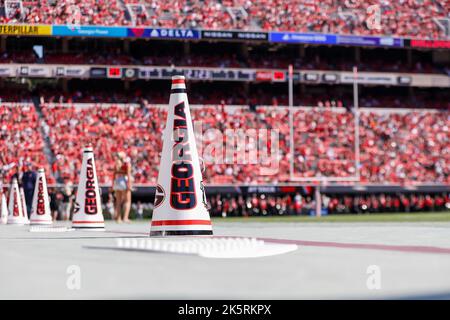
(427, 19)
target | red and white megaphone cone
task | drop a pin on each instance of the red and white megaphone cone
(40, 210)
(4, 210)
(3, 207)
(180, 200)
(88, 212)
(24, 206)
(15, 205)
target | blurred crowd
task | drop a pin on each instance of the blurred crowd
(257, 205)
(22, 144)
(85, 12)
(224, 205)
(234, 93)
(410, 18)
(135, 130)
(297, 204)
(324, 144)
(396, 146)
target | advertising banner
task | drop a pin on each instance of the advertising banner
(220, 74)
(34, 70)
(437, 44)
(292, 37)
(6, 71)
(114, 72)
(68, 71)
(193, 34)
(197, 73)
(270, 76)
(25, 30)
(318, 38)
(234, 35)
(90, 31)
(160, 33)
(97, 72)
(130, 73)
(369, 78)
(369, 41)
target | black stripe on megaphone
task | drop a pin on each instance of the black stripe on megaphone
(181, 233)
(178, 91)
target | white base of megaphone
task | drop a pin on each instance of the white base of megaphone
(16, 223)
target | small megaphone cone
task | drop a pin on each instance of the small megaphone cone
(40, 210)
(3, 207)
(180, 201)
(15, 205)
(88, 212)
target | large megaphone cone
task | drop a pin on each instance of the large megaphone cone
(88, 212)
(3, 207)
(40, 210)
(15, 205)
(24, 207)
(180, 200)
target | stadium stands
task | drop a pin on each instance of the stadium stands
(323, 141)
(235, 94)
(304, 204)
(412, 18)
(110, 129)
(46, 118)
(324, 145)
(86, 12)
(22, 143)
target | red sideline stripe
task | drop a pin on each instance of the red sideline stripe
(180, 222)
(370, 246)
(177, 81)
(75, 222)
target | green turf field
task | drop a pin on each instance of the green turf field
(385, 217)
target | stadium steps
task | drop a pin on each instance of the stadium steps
(51, 158)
